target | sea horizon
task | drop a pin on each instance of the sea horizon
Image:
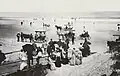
(89, 15)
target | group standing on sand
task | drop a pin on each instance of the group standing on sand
(58, 53)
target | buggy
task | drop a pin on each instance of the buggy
(40, 36)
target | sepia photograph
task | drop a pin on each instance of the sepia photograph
(59, 38)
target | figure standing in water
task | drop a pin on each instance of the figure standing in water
(118, 27)
(18, 37)
(31, 23)
(21, 23)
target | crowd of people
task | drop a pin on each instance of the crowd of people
(57, 53)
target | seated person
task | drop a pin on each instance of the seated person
(2, 57)
(23, 64)
(78, 58)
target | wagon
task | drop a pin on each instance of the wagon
(40, 36)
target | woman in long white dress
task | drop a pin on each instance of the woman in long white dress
(78, 57)
(58, 58)
(52, 63)
(23, 57)
(39, 55)
(70, 53)
(72, 60)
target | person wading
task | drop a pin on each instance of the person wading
(18, 37)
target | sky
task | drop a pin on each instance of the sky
(53, 6)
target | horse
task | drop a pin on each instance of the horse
(41, 38)
(46, 25)
(26, 36)
(58, 27)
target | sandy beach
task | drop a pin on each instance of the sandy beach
(100, 30)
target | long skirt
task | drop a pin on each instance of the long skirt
(58, 62)
(78, 61)
(72, 61)
(64, 61)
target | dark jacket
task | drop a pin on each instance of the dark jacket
(2, 57)
(29, 49)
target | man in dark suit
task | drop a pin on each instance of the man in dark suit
(29, 49)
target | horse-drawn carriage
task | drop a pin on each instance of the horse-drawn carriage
(114, 44)
(66, 34)
(65, 27)
(40, 36)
